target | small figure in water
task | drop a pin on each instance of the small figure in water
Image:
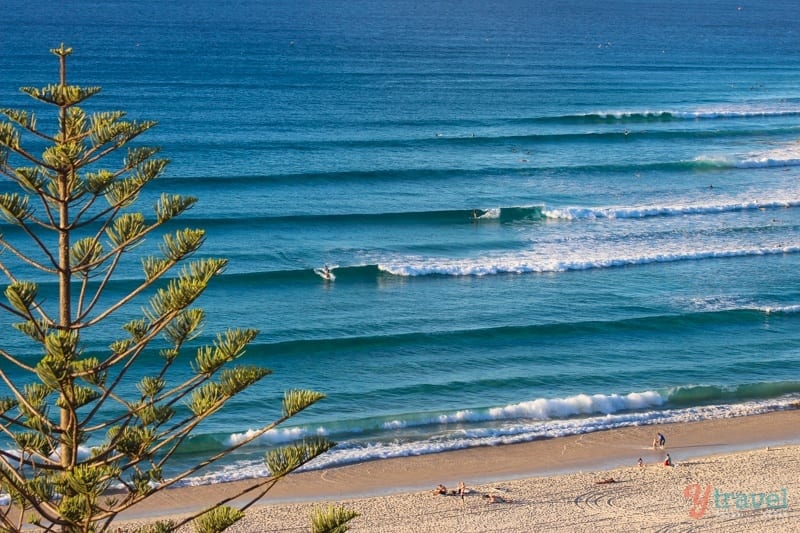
(325, 273)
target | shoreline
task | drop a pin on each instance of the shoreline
(534, 462)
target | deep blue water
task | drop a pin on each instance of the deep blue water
(633, 167)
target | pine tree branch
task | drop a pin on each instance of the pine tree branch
(17, 482)
(24, 258)
(116, 253)
(29, 125)
(80, 313)
(266, 485)
(224, 453)
(15, 361)
(24, 154)
(122, 301)
(20, 397)
(131, 355)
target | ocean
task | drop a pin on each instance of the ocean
(543, 218)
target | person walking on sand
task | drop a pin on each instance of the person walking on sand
(659, 441)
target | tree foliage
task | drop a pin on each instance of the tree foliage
(74, 208)
(332, 519)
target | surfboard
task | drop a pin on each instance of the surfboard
(327, 275)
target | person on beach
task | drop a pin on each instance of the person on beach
(640, 462)
(668, 460)
(440, 490)
(462, 490)
(493, 498)
(659, 441)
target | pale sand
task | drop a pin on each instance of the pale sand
(394, 495)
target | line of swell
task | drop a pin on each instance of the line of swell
(501, 214)
(473, 140)
(598, 136)
(428, 175)
(614, 117)
(529, 333)
(405, 218)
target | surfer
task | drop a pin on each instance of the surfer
(325, 273)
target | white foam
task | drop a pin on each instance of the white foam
(277, 435)
(731, 304)
(612, 212)
(517, 430)
(716, 111)
(533, 262)
(787, 309)
(782, 156)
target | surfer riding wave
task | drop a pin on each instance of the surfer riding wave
(325, 273)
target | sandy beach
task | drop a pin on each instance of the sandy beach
(735, 474)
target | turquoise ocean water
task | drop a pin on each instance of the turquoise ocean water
(633, 167)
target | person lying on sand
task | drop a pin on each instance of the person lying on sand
(606, 480)
(497, 499)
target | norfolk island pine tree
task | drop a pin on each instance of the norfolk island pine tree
(78, 191)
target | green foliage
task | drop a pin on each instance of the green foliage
(21, 294)
(332, 519)
(170, 206)
(21, 117)
(85, 252)
(185, 326)
(158, 527)
(33, 442)
(218, 519)
(126, 229)
(34, 329)
(283, 460)
(6, 404)
(61, 95)
(226, 348)
(296, 400)
(14, 208)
